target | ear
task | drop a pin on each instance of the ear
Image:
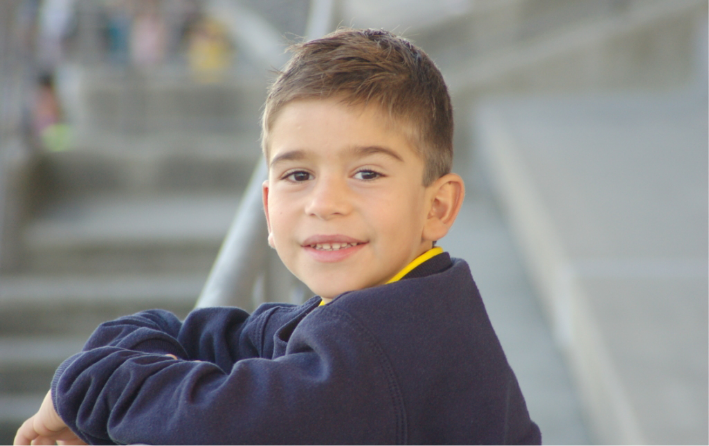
(264, 194)
(444, 198)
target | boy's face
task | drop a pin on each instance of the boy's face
(345, 201)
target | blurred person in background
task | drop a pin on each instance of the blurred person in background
(56, 21)
(49, 129)
(118, 22)
(210, 50)
(148, 36)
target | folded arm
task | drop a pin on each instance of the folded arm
(311, 394)
(218, 335)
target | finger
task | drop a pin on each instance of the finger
(76, 442)
(26, 433)
(43, 440)
(67, 436)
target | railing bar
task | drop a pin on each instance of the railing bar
(243, 253)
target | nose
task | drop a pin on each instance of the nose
(329, 197)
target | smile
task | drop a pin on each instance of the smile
(328, 248)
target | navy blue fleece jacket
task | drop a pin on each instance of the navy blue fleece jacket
(415, 361)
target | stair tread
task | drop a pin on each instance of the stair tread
(111, 219)
(242, 145)
(123, 289)
(17, 408)
(37, 351)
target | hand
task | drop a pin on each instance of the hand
(46, 427)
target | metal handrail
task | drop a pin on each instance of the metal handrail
(254, 34)
(243, 257)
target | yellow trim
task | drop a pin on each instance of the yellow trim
(408, 268)
(416, 262)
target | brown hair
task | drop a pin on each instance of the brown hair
(372, 65)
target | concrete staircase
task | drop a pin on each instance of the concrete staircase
(130, 218)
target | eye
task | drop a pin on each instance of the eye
(366, 174)
(298, 176)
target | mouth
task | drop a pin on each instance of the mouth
(325, 246)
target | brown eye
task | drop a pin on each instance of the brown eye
(367, 175)
(298, 176)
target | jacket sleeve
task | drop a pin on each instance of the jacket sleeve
(128, 391)
(219, 335)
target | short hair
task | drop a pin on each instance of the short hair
(364, 66)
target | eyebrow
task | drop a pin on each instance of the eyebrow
(359, 151)
(292, 155)
(375, 150)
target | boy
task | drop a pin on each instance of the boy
(396, 347)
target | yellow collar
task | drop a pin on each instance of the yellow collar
(414, 263)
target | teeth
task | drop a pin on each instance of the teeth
(332, 246)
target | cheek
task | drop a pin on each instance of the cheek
(415, 212)
(399, 217)
(277, 207)
(277, 219)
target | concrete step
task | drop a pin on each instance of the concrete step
(28, 363)
(99, 103)
(14, 410)
(497, 20)
(607, 197)
(201, 163)
(113, 233)
(66, 305)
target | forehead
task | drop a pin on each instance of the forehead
(311, 123)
